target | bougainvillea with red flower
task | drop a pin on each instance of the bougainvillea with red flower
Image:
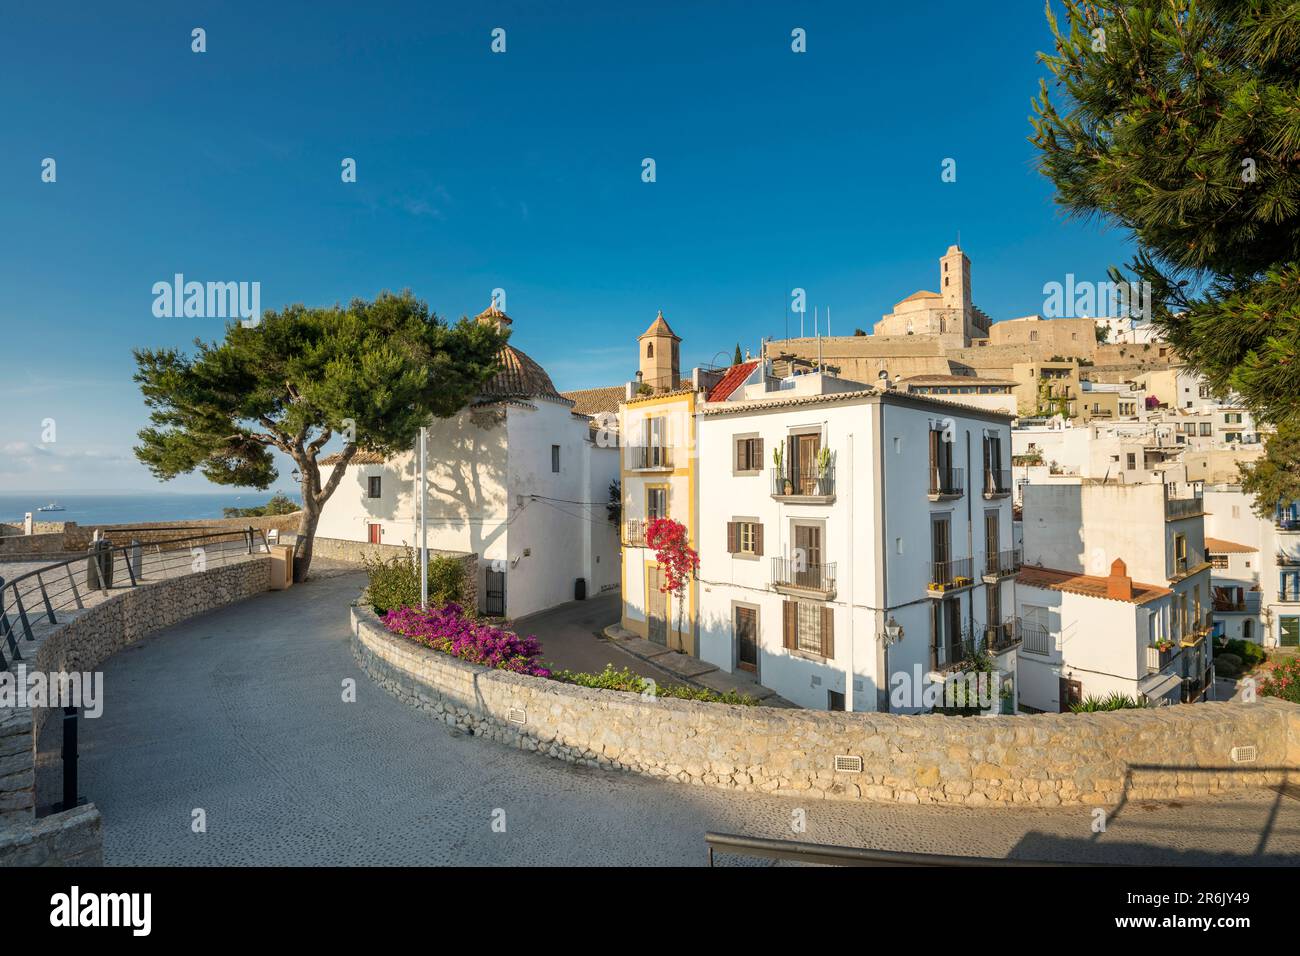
(678, 561)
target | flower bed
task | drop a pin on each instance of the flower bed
(625, 680)
(449, 630)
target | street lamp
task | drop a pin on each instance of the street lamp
(296, 475)
(893, 634)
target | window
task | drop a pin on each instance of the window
(656, 503)
(1232, 418)
(649, 350)
(1205, 429)
(749, 455)
(1180, 554)
(1074, 336)
(1033, 336)
(1131, 460)
(1219, 561)
(809, 628)
(555, 459)
(745, 537)
(373, 484)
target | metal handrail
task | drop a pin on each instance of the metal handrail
(46, 594)
(850, 855)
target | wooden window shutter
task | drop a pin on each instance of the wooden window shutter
(741, 464)
(758, 539)
(732, 544)
(758, 454)
(790, 619)
(828, 632)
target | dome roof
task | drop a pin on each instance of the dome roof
(520, 377)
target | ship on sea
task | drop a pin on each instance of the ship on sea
(52, 506)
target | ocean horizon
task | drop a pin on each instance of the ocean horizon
(127, 507)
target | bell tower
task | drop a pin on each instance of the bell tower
(954, 281)
(660, 361)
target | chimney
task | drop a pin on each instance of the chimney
(1119, 586)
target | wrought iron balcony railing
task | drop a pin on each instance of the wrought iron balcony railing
(798, 574)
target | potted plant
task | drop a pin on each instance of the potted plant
(823, 466)
(778, 459)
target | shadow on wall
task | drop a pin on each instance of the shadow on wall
(468, 504)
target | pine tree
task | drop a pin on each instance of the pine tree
(1179, 120)
(738, 358)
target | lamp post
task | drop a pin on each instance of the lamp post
(424, 530)
(892, 635)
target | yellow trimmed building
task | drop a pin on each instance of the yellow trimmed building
(658, 477)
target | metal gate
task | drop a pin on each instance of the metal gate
(496, 594)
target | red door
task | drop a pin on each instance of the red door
(375, 531)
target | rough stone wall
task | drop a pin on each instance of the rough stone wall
(1041, 760)
(38, 527)
(74, 837)
(12, 545)
(340, 549)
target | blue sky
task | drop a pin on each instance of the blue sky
(520, 170)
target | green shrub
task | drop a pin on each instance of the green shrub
(1283, 681)
(1228, 665)
(625, 680)
(395, 583)
(1112, 701)
(1250, 653)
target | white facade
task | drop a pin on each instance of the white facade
(519, 483)
(1274, 566)
(850, 544)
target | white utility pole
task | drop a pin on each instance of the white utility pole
(424, 527)
(848, 485)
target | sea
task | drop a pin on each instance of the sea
(127, 508)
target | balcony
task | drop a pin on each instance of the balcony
(947, 577)
(946, 483)
(804, 487)
(1289, 595)
(1001, 564)
(1230, 605)
(955, 653)
(1286, 523)
(796, 577)
(1285, 560)
(634, 532)
(1036, 639)
(997, 483)
(651, 458)
(1195, 631)
(1178, 508)
(1159, 658)
(1000, 638)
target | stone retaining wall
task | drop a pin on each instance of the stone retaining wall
(50, 545)
(340, 549)
(1041, 760)
(74, 837)
(77, 537)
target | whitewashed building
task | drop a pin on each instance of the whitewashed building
(830, 515)
(517, 478)
(1088, 628)
(1256, 569)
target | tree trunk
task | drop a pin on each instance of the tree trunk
(306, 536)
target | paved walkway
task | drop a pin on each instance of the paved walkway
(240, 713)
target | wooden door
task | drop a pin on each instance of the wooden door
(746, 627)
(1070, 692)
(807, 448)
(808, 544)
(656, 607)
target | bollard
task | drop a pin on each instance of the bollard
(70, 798)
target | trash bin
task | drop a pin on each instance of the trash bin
(580, 589)
(99, 565)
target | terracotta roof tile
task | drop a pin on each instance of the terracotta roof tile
(734, 378)
(597, 401)
(1090, 585)
(1220, 546)
(360, 458)
(520, 377)
(659, 327)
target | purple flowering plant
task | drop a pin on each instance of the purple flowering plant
(450, 630)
